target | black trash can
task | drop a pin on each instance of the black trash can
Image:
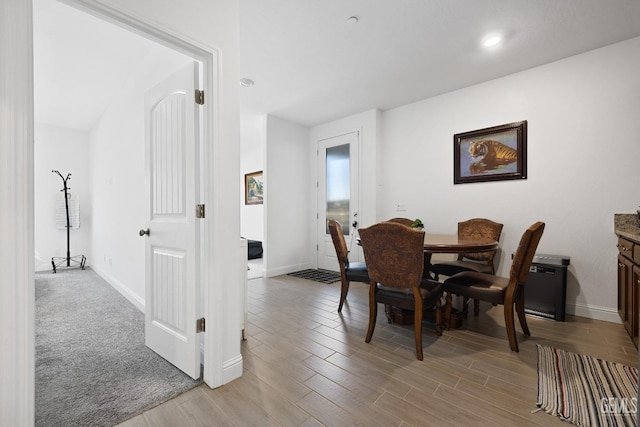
(545, 291)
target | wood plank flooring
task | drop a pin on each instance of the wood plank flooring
(307, 365)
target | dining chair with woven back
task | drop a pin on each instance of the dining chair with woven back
(427, 255)
(394, 257)
(508, 291)
(349, 271)
(481, 262)
(404, 221)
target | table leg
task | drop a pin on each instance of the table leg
(447, 310)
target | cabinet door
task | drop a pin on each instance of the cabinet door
(635, 287)
(625, 293)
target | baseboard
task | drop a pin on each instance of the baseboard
(287, 269)
(121, 288)
(232, 369)
(595, 312)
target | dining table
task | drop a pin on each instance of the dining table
(452, 244)
(444, 244)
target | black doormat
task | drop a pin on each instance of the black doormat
(323, 276)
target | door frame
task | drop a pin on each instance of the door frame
(17, 307)
(214, 372)
(323, 240)
(368, 123)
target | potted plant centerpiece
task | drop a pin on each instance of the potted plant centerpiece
(417, 224)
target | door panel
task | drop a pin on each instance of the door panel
(171, 306)
(338, 195)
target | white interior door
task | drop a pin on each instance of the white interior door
(338, 195)
(171, 289)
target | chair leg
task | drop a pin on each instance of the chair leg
(387, 312)
(344, 290)
(521, 315)
(465, 307)
(439, 317)
(509, 323)
(476, 307)
(417, 321)
(447, 310)
(373, 311)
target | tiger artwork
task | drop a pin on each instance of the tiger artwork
(490, 155)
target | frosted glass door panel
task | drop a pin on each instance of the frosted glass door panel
(338, 186)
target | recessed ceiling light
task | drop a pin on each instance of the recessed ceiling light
(352, 20)
(492, 40)
(246, 82)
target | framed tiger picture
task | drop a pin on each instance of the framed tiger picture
(492, 154)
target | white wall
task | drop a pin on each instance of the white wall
(252, 151)
(286, 242)
(67, 151)
(583, 152)
(117, 168)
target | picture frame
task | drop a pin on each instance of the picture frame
(492, 154)
(253, 188)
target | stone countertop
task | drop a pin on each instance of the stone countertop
(627, 225)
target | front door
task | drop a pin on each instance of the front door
(338, 195)
(171, 289)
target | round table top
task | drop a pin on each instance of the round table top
(450, 243)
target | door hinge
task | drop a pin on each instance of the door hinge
(199, 211)
(200, 325)
(199, 97)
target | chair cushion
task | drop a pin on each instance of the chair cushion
(471, 284)
(449, 268)
(403, 298)
(357, 272)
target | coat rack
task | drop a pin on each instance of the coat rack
(77, 260)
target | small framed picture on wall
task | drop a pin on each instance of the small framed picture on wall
(253, 188)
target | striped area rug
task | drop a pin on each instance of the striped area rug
(586, 391)
(320, 275)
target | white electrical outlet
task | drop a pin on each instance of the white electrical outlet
(401, 207)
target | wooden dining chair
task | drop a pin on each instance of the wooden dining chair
(427, 255)
(404, 221)
(508, 291)
(349, 271)
(481, 262)
(394, 257)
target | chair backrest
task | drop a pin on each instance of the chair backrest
(394, 254)
(337, 236)
(524, 254)
(480, 229)
(404, 221)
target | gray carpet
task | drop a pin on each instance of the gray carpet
(92, 367)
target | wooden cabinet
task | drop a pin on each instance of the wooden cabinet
(629, 286)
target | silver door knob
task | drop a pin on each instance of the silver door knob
(143, 232)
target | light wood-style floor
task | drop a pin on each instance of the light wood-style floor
(307, 365)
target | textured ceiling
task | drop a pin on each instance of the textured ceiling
(311, 66)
